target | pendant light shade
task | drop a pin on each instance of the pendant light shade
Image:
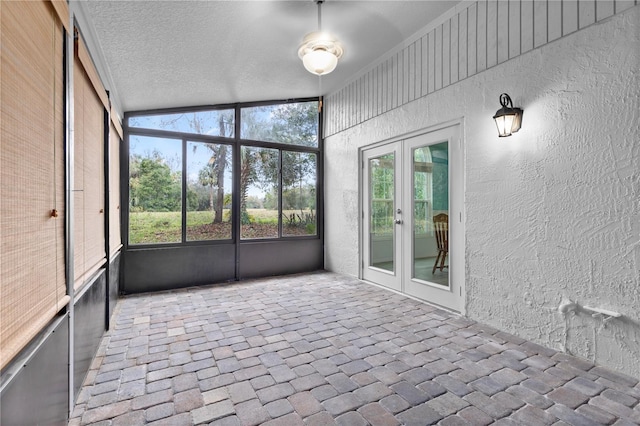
(320, 53)
(319, 50)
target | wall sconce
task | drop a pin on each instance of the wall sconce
(508, 119)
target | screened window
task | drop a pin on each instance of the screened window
(212, 123)
(181, 186)
(209, 191)
(155, 190)
(299, 184)
(259, 192)
(291, 124)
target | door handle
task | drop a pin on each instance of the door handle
(398, 221)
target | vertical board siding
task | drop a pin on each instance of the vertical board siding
(482, 38)
(454, 53)
(514, 29)
(472, 37)
(554, 24)
(503, 31)
(477, 37)
(446, 54)
(539, 23)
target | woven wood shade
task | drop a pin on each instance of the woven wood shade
(89, 208)
(32, 283)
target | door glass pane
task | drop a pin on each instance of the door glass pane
(298, 193)
(431, 213)
(259, 192)
(208, 191)
(381, 214)
(155, 190)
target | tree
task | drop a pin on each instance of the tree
(154, 186)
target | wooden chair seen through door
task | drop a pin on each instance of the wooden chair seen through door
(441, 228)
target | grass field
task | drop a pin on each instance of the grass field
(165, 227)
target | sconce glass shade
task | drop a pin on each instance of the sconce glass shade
(320, 52)
(508, 119)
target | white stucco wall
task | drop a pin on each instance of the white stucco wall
(551, 213)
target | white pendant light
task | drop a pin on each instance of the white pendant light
(319, 50)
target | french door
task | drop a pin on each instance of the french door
(412, 230)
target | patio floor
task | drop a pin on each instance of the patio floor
(324, 349)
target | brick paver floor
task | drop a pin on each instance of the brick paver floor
(324, 349)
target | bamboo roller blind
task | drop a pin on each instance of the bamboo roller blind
(89, 208)
(32, 277)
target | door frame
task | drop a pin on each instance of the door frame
(459, 214)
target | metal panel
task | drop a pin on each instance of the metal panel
(114, 284)
(39, 392)
(173, 267)
(88, 326)
(259, 259)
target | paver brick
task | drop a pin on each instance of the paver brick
(323, 393)
(453, 385)
(567, 397)
(308, 382)
(282, 373)
(281, 390)
(305, 403)
(341, 403)
(373, 392)
(355, 367)
(475, 416)
(597, 414)
(419, 415)
(292, 419)
(341, 382)
(322, 418)
(106, 412)
(432, 389)
(351, 418)
(585, 386)
(279, 408)
(447, 404)
(409, 392)
(486, 404)
(212, 412)
(571, 416)
(187, 400)
(151, 399)
(533, 416)
(240, 392)
(487, 385)
(376, 415)
(159, 411)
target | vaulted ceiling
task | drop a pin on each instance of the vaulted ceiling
(162, 54)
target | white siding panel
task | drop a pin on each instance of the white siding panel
(503, 31)
(526, 26)
(569, 16)
(446, 53)
(419, 69)
(586, 12)
(604, 9)
(432, 61)
(622, 5)
(539, 22)
(472, 58)
(492, 33)
(554, 26)
(425, 64)
(454, 55)
(438, 58)
(463, 67)
(514, 28)
(481, 38)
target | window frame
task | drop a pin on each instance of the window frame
(236, 143)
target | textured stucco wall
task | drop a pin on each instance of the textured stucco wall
(551, 213)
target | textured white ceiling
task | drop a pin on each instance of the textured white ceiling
(164, 54)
